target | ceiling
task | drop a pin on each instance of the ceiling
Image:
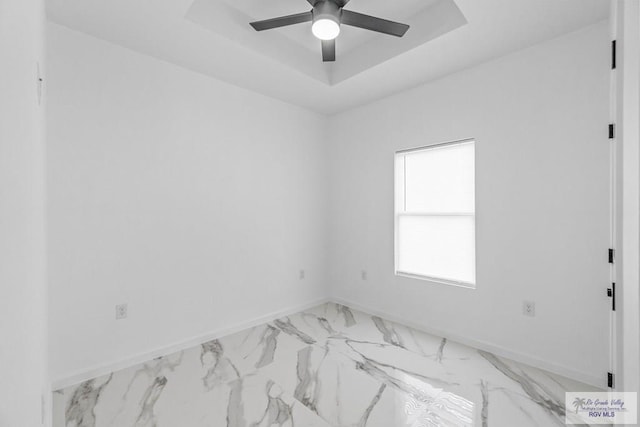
(213, 37)
(295, 46)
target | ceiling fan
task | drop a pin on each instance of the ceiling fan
(327, 16)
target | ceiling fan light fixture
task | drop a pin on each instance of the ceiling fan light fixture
(325, 28)
(326, 20)
(327, 16)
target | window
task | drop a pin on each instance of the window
(435, 213)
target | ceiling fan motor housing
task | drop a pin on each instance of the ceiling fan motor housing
(326, 10)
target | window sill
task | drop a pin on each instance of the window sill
(436, 280)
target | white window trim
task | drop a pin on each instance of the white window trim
(397, 215)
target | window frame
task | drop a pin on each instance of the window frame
(397, 215)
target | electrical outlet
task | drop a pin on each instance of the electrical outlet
(302, 274)
(121, 311)
(529, 308)
(363, 274)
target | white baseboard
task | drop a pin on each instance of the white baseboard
(67, 380)
(486, 346)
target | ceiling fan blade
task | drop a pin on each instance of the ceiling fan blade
(282, 21)
(374, 24)
(328, 50)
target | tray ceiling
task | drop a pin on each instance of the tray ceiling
(213, 37)
(297, 48)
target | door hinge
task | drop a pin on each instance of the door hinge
(611, 293)
(613, 54)
(612, 131)
(612, 256)
(610, 380)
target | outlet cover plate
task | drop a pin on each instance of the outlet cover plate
(529, 308)
(121, 311)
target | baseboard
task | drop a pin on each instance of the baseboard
(483, 345)
(67, 380)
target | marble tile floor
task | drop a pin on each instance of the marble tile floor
(329, 366)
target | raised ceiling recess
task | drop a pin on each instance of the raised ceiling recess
(295, 46)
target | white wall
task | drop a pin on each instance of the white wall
(195, 202)
(539, 118)
(22, 254)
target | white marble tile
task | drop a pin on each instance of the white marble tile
(326, 366)
(316, 325)
(250, 350)
(348, 392)
(163, 395)
(334, 321)
(252, 400)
